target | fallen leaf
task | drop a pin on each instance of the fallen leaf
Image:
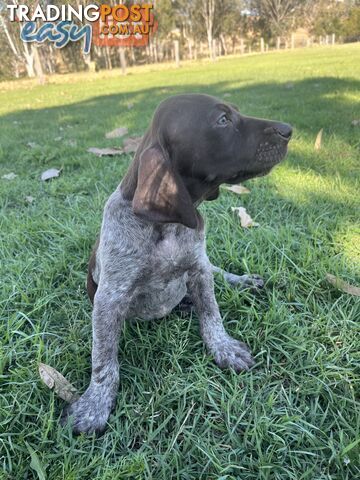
(239, 189)
(71, 143)
(131, 144)
(118, 132)
(9, 176)
(227, 95)
(355, 123)
(108, 151)
(58, 139)
(130, 106)
(342, 285)
(49, 174)
(246, 220)
(289, 85)
(318, 140)
(32, 144)
(57, 382)
(29, 199)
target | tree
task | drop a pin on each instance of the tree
(207, 11)
(277, 16)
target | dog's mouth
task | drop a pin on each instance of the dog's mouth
(269, 154)
(266, 157)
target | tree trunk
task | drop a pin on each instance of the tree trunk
(122, 60)
(29, 61)
(177, 52)
(223, 44)
(38, 64)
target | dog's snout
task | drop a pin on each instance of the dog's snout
(283, 130)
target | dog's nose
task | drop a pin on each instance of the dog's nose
(284, 130)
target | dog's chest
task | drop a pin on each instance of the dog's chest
(175, 248)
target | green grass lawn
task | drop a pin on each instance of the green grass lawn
(295, 415)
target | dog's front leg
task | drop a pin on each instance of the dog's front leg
(90, 412)
(227, 351)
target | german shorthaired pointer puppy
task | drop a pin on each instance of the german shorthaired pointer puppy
(151, 251)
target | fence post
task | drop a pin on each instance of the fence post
(292, 41)
(177, 52)
(261, 45)
(333, 39)
(278, 43)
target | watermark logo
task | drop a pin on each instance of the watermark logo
(104, 25)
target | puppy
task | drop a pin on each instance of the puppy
(151, 252)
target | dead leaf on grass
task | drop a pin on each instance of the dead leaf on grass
(355, 123)
(130, 106)
(32, 144)
(57, 382)
(342, 285)
(118, 132)
(245, 219)
(131, 144)
(29, 199)
(49, 174)
(107, 151)
(239, 189)
(9, 176)
(318, 140)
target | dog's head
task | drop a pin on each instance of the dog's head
(194, 144)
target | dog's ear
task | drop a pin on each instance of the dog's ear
(161, 195)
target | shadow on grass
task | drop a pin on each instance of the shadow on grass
(310, 104)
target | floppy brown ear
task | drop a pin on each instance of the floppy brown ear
(161, 195)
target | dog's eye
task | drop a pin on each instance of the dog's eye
(223, 120)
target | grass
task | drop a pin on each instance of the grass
(296, 414)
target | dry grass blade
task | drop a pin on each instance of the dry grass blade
(318, 140)
(57, 382)
(342, 285)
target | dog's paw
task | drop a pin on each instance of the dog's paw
(251, 281)
(88, 414)
(230, 353)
